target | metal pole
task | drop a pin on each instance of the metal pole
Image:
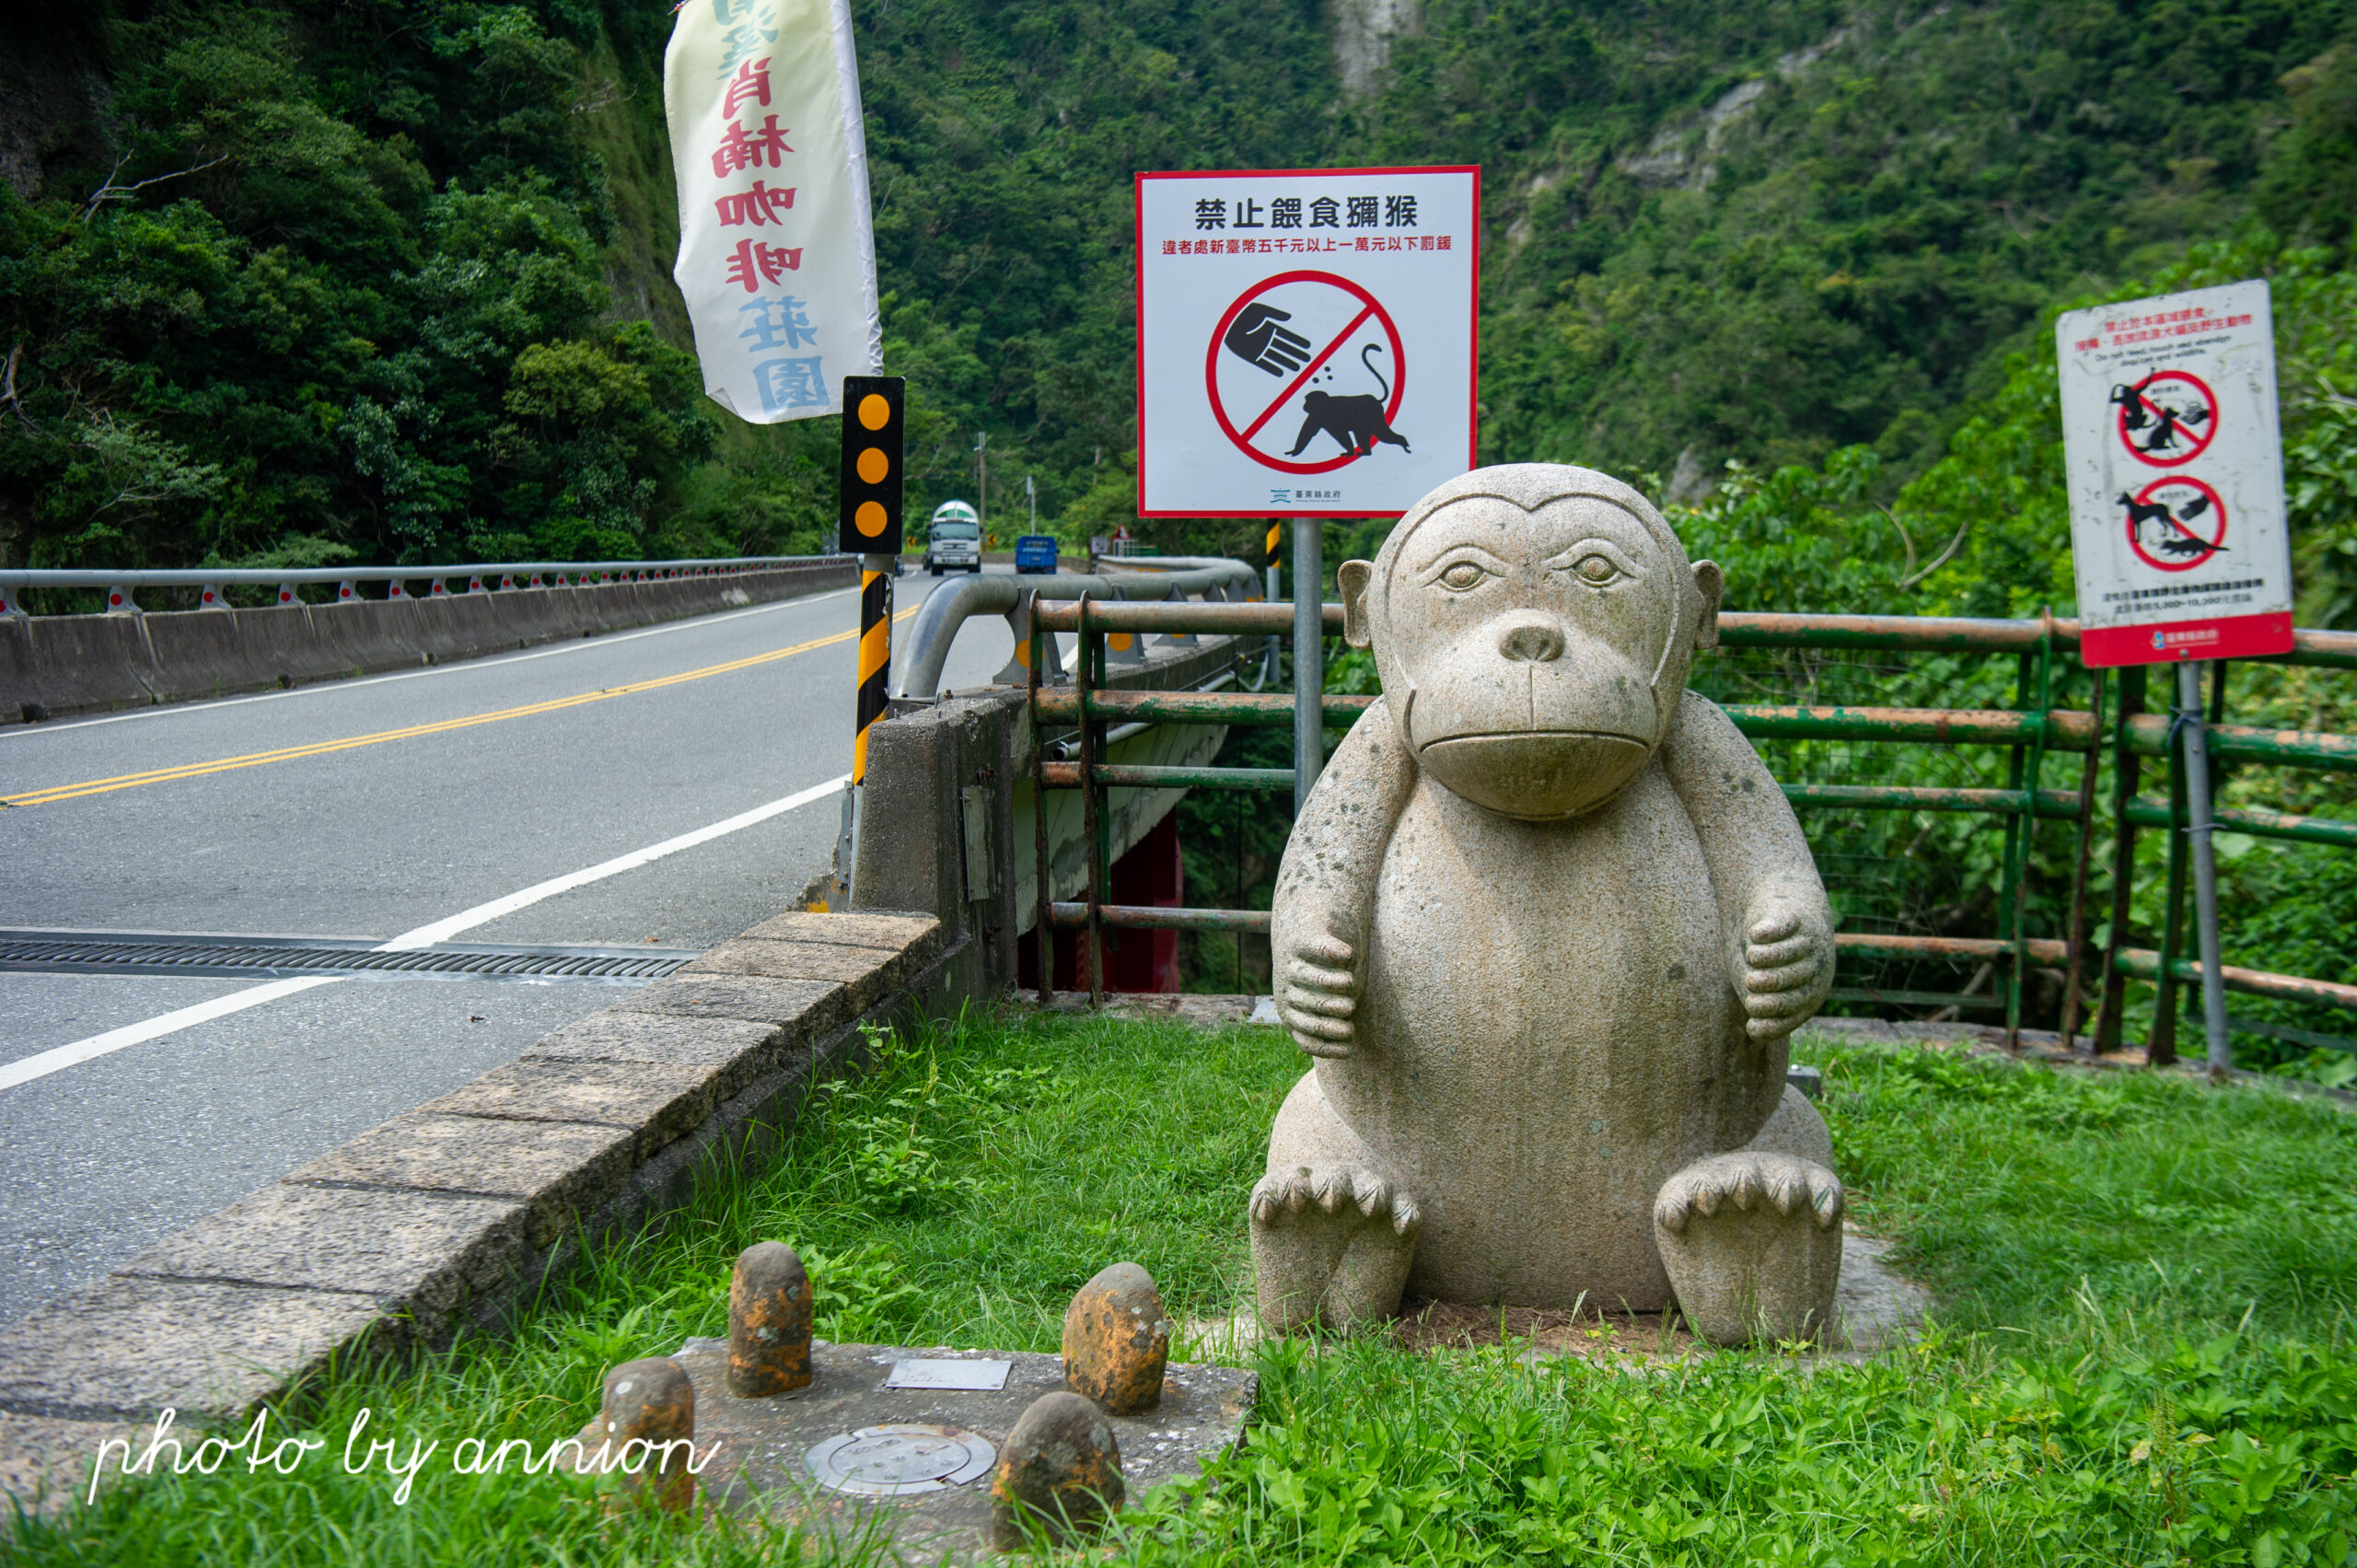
(1269, 561)
(2205, 867)
(1043, 936)
(1308, 659)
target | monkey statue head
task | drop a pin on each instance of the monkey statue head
(1532, 625)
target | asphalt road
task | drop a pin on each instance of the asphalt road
(380, 833)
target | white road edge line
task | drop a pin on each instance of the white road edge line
(488, 661)
(81, 1051)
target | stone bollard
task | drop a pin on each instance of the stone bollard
(768, 1322)
(1058, 1468)
(1117, 1340)
(648, 1405)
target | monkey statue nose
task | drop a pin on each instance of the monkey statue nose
(1531, 639)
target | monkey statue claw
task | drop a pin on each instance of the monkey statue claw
(1544, 927)
(1753, 1244)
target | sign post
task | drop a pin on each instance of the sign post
(2178, 535)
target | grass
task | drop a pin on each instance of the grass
(2142, 1358)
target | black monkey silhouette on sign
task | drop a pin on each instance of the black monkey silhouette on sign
(1356, 421)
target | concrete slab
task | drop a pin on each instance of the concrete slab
(763, 1466)
(128, 1347)
(737, 1050)
(421, 1256)
(561, 1170)
(802, 1007)
(46, 1460)
(919, 936)
(865, 972)
(662, 1103)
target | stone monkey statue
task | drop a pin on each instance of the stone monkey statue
(1546, 924)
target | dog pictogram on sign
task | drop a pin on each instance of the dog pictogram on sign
(1306, 340)
(1296, 372)
(2167, 418)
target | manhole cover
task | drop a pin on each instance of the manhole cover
(893, 1461)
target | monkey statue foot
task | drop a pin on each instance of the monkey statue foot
(1752, 1242)
(1330, 1244)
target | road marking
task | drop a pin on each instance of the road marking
(63, 1056)
(440, 727)
(488, 661)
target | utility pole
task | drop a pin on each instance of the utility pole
(982, 481)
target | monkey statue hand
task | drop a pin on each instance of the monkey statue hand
(1787, 963)
(1316, 985)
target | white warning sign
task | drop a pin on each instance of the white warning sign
(1306, 340)
(2176, 471)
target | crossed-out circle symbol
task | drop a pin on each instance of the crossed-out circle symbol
(2143, 403)
(2174, 534)
(1367, 308)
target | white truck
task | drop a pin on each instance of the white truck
(954, 538)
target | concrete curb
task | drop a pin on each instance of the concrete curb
(449, 1218)
(72, 663)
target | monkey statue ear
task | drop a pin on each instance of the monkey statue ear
(1355, 577)
(1711, 584)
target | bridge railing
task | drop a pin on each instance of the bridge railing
(2034, 730)
(121, 588)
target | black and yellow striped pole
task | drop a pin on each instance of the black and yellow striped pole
(868, 526)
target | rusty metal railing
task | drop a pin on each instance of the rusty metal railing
(2031, 732)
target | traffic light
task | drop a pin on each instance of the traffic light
(869, 519)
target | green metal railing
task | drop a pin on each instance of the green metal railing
(2031, 733)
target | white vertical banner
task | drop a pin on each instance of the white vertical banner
(777, 256)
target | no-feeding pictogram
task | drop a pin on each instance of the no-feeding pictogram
(1306, 364)
(2175, 524)
(2166, 419)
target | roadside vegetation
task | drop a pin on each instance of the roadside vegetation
(2142, 1353)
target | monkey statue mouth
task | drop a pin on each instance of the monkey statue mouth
(1537, 775)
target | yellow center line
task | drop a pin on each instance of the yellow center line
(320, 749)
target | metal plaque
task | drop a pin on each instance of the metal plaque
(900, 1460)
(970, 1376)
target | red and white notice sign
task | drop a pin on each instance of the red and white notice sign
(2176, 470)
(1306, 340)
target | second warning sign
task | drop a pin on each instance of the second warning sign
(1305, 340)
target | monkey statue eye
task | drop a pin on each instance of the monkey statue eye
(1596, 569)
(1462, 577)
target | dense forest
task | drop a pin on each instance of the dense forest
(304, 280)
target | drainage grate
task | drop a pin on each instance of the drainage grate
(150, 952)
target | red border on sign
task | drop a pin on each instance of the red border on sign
(1137, 234)
(2216, 543)
(2120, 425)
(1210, 368)
(2236, 636)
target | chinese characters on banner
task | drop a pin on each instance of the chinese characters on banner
(1306, 339)
(2175, 472)
(777, 260)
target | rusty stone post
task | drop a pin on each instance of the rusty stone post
(1060, 1468)
(768, 1322)
(650, 1405)
(1117, 1340)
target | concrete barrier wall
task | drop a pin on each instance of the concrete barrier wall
(54, 665)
